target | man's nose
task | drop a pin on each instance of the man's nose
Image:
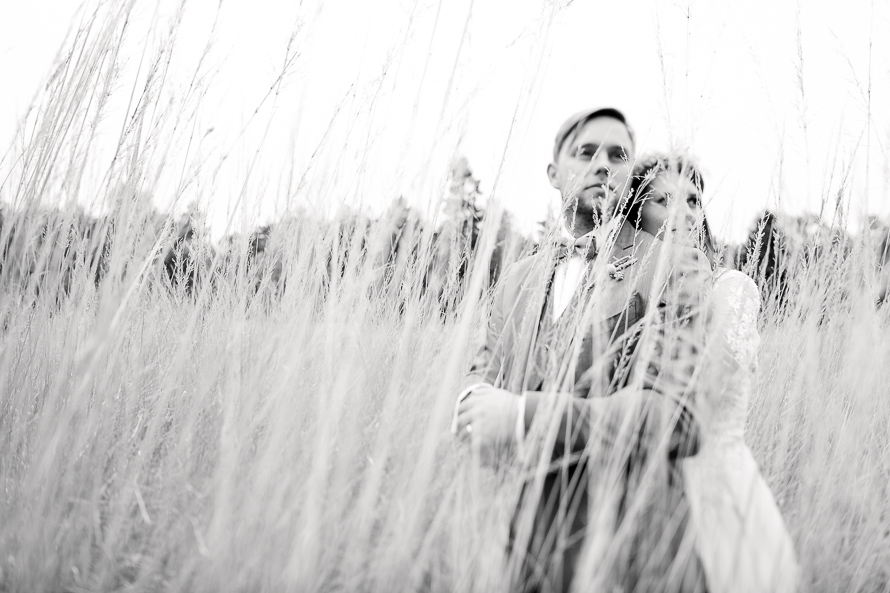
(599, 165)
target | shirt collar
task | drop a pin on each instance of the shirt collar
(603, 233)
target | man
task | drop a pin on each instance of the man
(563, 334)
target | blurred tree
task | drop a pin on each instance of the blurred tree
(454, 242)
(879, 231)
(764, 257)
(188, 256)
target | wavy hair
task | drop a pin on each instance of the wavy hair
(644, 173)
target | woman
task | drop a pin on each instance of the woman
(738, 530)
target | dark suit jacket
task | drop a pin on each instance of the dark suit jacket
(512, 356)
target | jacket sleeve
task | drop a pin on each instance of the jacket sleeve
(599, 423)
(487, 364)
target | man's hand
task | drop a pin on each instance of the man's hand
(487, 417)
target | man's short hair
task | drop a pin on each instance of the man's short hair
(580, 119)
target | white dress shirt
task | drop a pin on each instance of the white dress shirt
(570, 271)
(566, 279)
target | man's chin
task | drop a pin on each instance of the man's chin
(591, 204)
(582, 218)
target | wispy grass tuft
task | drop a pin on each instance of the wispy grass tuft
(277, 418)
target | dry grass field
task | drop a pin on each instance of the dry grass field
(287, 428)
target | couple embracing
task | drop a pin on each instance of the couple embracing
(616, 371)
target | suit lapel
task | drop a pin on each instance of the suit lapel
(615, 293)
(527, 303)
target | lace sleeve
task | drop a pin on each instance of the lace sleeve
(736, 307)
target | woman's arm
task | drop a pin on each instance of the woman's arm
(735, 309)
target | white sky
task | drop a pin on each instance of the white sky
(414, 83)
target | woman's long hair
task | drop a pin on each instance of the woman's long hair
(644, 173)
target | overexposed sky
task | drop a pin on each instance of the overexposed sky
(783, 103)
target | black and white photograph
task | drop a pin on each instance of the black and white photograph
(466, 296)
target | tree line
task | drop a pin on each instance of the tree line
(401, 254)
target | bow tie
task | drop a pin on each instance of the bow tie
(585, 247)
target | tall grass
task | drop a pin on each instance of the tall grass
(293, 435)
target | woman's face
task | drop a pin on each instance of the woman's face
(672, 202)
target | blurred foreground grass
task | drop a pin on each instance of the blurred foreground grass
(248, 426)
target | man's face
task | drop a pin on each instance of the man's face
(592, 172)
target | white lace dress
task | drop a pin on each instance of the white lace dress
(739, 532)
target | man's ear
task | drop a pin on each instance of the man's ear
(551, 175)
